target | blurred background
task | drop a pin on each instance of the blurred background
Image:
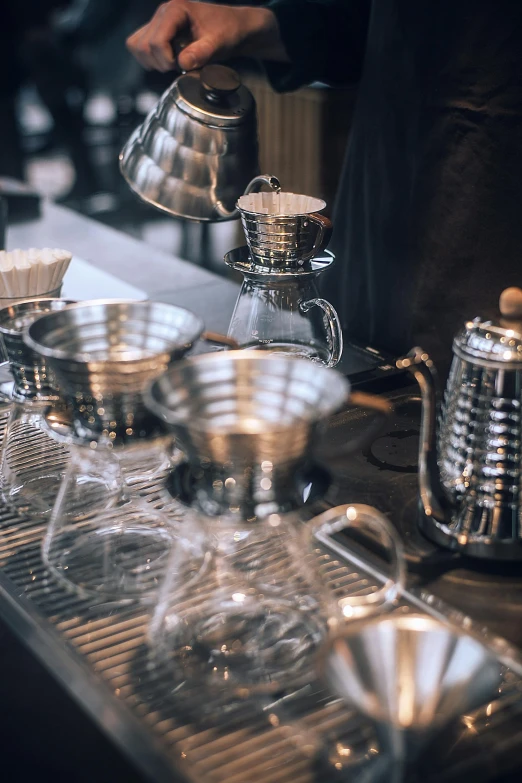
(70, 94)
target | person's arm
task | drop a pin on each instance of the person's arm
(217, 33)
(321, 39)
(325, 41)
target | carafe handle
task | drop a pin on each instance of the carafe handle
(323, 235)
(334, 327)
(370, 521)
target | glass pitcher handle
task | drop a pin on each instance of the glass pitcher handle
(334, 327)
(365, 518)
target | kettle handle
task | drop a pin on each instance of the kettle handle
(179, 43)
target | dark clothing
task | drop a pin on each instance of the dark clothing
(427, 226)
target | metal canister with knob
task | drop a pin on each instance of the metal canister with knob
(472, 502)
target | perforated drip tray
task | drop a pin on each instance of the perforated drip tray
(98, 651)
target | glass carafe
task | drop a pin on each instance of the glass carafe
(255, 617)
(104, 354)
(254, 621)
(282, 312)
(33, 464)
(117, 549)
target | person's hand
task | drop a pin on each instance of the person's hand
(217, 32)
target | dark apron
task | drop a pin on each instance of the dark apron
(428, 227)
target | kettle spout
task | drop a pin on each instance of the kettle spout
(224, 213)
(263, 179)
(254, 184)
(419, 364)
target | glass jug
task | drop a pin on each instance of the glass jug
(282, 312)
(253, 618)
(33, 464)
(117, 549)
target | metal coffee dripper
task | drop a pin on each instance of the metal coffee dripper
(252, 622)
(412, 675)
(104, 353)
(470, 471)
(32, 464)
(279, 308)
(283, 230)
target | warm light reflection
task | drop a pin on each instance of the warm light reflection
(351, 513)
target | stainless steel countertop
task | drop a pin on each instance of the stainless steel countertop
(162, 276)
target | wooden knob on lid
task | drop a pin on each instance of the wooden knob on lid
(510, 303)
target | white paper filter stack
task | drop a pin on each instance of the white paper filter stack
(281, 204)
(33, 272)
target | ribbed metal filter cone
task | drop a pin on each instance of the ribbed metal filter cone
(246, 408)
(30, 370)
(104, 353)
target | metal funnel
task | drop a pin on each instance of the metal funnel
(246, 409)
(410, 672)
(104, 353)
(31, 375)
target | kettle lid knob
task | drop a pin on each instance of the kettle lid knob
(510, 303)
(219, 81)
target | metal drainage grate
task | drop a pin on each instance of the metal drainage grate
(321, 740)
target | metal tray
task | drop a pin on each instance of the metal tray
(98, 653)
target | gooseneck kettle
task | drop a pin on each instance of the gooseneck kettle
(197, 151)
(470, 471)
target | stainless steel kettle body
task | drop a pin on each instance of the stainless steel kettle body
(197, 150)
(470, 472)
